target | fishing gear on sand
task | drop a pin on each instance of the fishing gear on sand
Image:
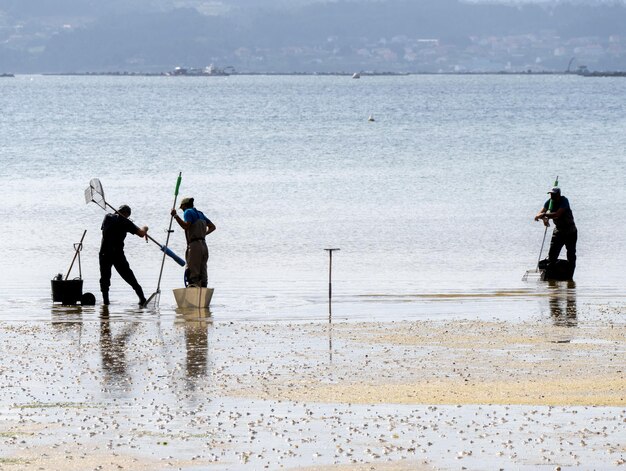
(95, 194)
(153, 300)
(70, 291)
(538, 272)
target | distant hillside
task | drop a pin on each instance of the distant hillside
(154, 35)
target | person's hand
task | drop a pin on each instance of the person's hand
(145, 230)
(173, 212)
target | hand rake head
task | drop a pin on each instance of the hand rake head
(534, 275)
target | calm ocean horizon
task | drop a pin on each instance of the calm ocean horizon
(436, 197)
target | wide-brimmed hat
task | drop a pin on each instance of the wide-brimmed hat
(186, 202)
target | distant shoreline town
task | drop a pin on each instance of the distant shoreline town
(213, 71)
(307, 37)
(338, 74)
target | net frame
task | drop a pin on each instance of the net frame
(95, 194)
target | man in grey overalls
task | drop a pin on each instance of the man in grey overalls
(197, 226)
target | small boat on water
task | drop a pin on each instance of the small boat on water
(193, 297)
(209, 71)
(356, 75)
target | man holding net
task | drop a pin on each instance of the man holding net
(114, 230)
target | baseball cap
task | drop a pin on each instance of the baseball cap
(124, 209)
(555, 190)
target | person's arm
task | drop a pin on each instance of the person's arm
(184, 224)
(555, 215)
(541, 214)
(142, 231)
(210, 227)
(563, 204)
(134, 229)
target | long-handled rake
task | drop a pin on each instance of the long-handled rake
(95, 194)
(153, 300)
(77, 249)
(538, 273)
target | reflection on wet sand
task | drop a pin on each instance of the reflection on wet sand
(562, 302)
(265, 395)
(330, 341)
(195, 323)
(66, 317)
(330, 330)
(113, 350)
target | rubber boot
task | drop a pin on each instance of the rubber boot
(142, 298)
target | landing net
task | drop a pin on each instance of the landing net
(95, 194)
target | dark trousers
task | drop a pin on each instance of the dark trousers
(567, 239)
(117, 260)
(197, 256)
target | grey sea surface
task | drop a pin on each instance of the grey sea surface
(432, 205)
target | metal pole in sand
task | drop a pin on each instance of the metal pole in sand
(330, 295)
(330, 277)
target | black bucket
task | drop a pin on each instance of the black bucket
(67, 291)
(560, 270)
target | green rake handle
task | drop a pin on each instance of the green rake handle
(178, 180)
(550, 204)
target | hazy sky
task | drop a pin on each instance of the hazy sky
(219, 4)
(310, 35)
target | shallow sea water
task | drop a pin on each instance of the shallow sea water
(434, 197)
(431, 205)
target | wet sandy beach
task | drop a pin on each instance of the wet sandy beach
(112, 389)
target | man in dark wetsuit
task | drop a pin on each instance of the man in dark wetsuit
(565, 233)
(197, 226)
(114, 230)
